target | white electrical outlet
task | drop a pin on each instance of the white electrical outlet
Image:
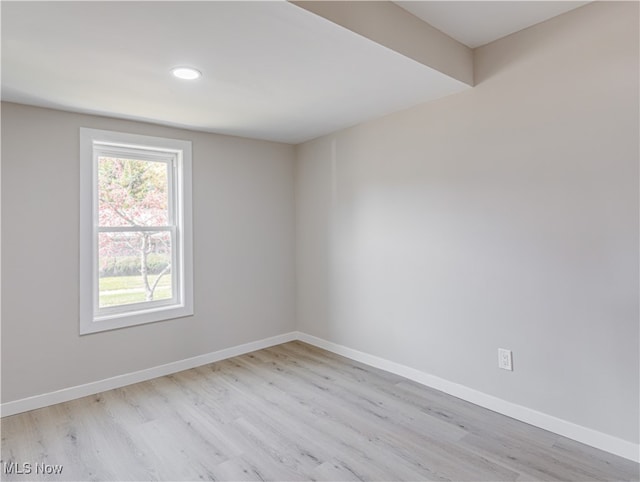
(505, 360)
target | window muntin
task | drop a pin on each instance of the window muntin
(136, 249)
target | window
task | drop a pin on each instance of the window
(135, 230)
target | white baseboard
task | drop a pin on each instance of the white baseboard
(72, 393)
(588, 436)
(602, 441)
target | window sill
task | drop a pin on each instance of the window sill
(124, 320)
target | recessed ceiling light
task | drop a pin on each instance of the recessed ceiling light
(186, 73)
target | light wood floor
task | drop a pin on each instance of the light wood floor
(291, 412)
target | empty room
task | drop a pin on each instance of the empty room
(320, 240)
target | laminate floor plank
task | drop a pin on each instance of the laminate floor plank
(326, 416)
(354, 411)
(293, 413)
(316, 417)
(605, 465)
(472, 418)
(385, 405)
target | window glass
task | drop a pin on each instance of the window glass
(135, 222)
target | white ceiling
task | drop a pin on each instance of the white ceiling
(271, 70)
(476, 23)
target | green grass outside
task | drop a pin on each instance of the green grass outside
(123, 290)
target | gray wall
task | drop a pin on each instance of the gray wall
(504, 216)
(243, 252)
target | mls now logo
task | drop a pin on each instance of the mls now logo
(14, 468)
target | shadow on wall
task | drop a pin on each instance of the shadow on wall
(501, 56)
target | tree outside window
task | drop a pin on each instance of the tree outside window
(133, 266)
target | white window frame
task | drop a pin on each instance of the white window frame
(95, 143)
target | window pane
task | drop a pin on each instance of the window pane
(132, 192)
(135, 267)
